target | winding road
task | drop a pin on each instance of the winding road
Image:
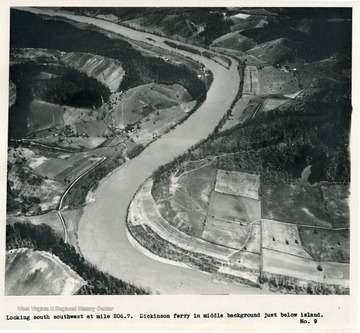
(102, 231)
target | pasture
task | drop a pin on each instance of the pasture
(238, 183)
(78, 164)
(277, 81)
(139, 102)
(228, 208)
(282, 237)
(288, 265)
(326, 244)
(43, 115)
(225, 233)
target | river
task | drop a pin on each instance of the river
(102, 230)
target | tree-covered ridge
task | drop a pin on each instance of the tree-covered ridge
(42, 238)
(198, 25)
(59, 35)
(279, 144)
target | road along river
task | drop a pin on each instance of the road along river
(102, 231)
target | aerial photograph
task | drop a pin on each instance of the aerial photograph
(178, 150)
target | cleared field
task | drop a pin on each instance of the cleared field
(228, 208)
(272, 103)
(277, 81)
(198, 182)
(336, 273)
(288, 265)
(74, 115)
(326, 244)
(29, 272)
(79, 163)
(157, 123)
(50, 167)
(337, 203)
(143, 211)
(105, 70)
(294, 203)
(238, 183)
(51, 219)
(282, 237)
(225, 233)
(190, 191)
(43, 115)
(251, 81)
(143, 100)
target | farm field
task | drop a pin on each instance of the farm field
(63, 168)
(139, 102)
(228, 208)
(251, 81)
(44, 115)
(288, 265)
(277, 81)
(51, 219)
(238, 183)
(282, 237)
(326, 244)
(229, 234)
(294, 203)
(29, 272)
(143, 211)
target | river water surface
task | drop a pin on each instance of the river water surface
(102, 230)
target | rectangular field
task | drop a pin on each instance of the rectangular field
(238, 183)
(282, 237)
(285, 264)
(251, 81)
(277, 81)
(224, 233)
(228, 208)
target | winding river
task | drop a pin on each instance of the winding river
(102, 231)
